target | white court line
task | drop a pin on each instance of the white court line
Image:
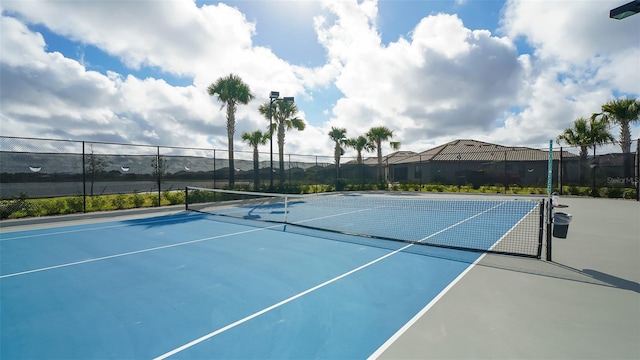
(294, 297)
(130, 253)
(119, 224)
(512, 228)
(274, 306)
(424, 310)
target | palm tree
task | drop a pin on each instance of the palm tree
(231, 91)
(339, 137)
(284, 119)
(256, 139)
(377, 135)
(360, 144)
(622, 112)
(585, 133)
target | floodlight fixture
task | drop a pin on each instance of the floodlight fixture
(288, 99)
(625, 10)
(274, 95)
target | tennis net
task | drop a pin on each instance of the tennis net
(505, 226)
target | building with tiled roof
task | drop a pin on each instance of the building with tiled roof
(470, 162)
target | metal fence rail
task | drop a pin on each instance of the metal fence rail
(43, 168)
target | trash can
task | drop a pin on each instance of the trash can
(561, 224)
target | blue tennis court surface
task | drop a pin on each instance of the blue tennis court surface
(191, 286)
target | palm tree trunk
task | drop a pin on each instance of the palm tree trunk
(336, 156)
(583, 165)
(256, 168)
(625, 137)
(379, 147)
(232, 169)
(360, 167)
(625, 145)
(231, 129)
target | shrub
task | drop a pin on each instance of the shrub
(630, 194)
(75, 204)
(18, 207)
(573, 190)
(138, 200)
(174, 197)
(97, 203)
(119, 202)
(154, 199)
(52, 207)
(11, 207)
(467, 188)
(435, 188)
(614, 192)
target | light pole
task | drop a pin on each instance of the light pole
(625, 10)
(273, 97)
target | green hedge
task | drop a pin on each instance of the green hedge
(22, 206)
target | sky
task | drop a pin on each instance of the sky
(513, 72)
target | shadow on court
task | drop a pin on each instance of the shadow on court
(613, 280)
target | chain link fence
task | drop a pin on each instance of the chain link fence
(81, 176)
(603, 170)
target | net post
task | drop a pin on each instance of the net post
(541, 209)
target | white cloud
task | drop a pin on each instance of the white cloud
(582, 60)
(449, 82)
(172, 35)
(443, 82)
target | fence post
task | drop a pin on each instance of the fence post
(421, 171)
(594, 166)
(289, 155)
(84, 182)
(159, 170)
(549, 207)
(214, 168)
(457, 175)
(560, 172)
(637, 169)
(506, 176)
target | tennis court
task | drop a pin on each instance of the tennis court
(243, 284)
